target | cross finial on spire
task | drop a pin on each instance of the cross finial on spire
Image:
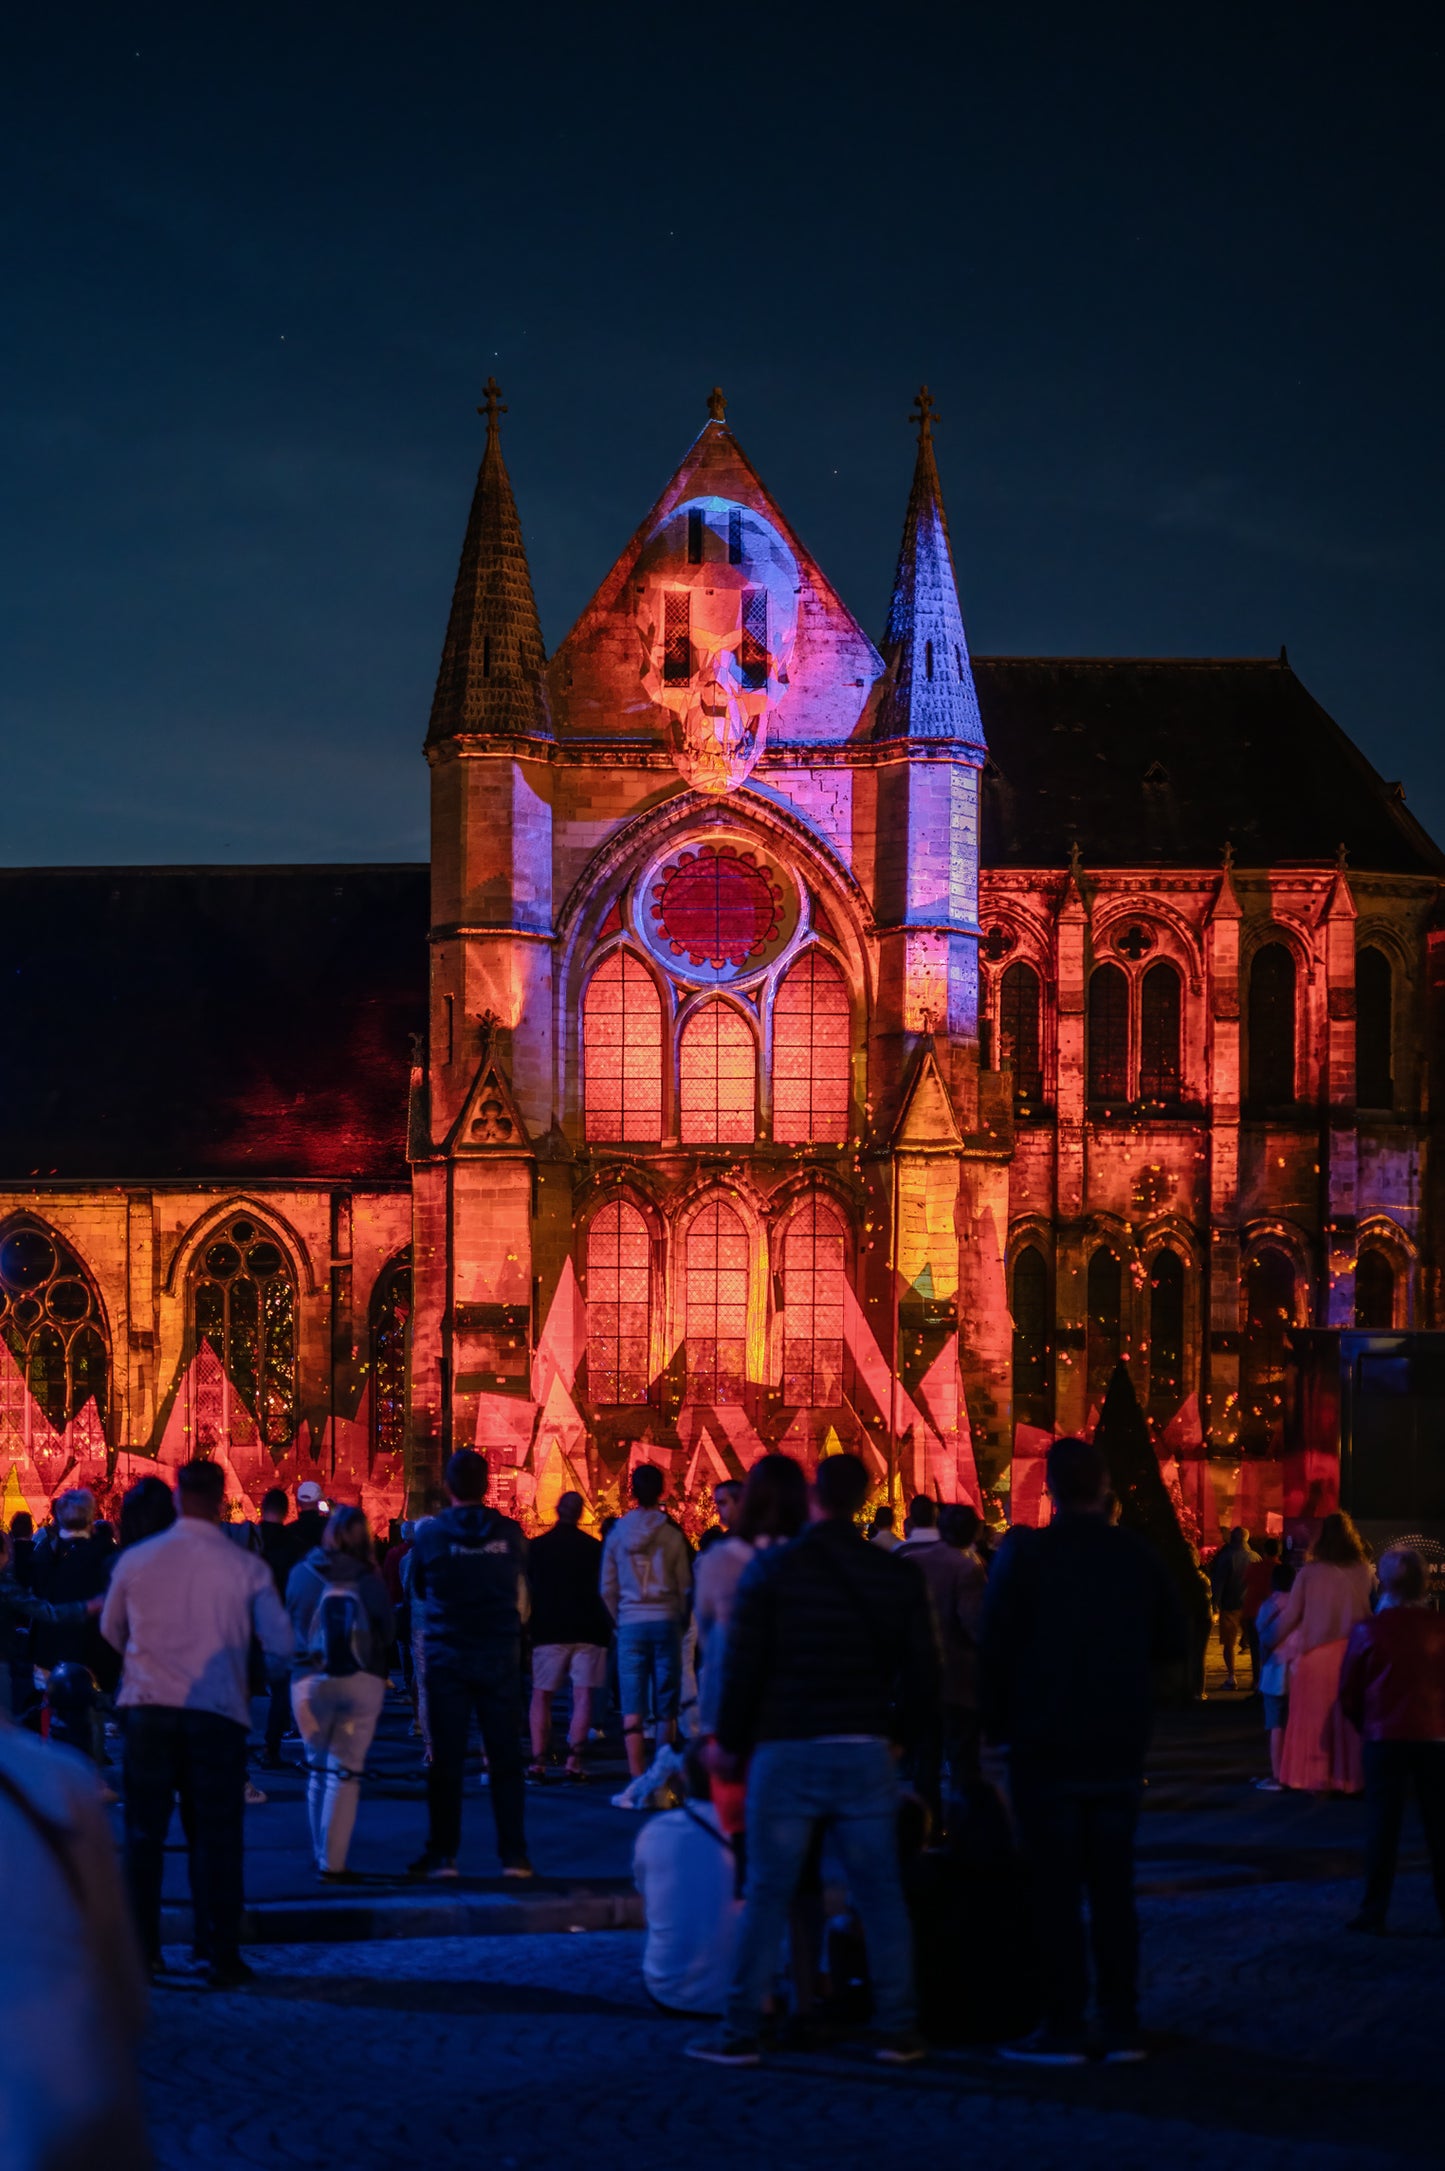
(717, 406)
(491, 405)
(924, 415)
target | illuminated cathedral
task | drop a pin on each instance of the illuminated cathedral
(793, 1042)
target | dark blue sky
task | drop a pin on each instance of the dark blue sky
(1173, 276)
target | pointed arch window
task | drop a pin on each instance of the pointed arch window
(619, 1305)
(1374, 1030)
(718, 1078)
(1020, 1037)
(1375, 1290)
(1160, 1065)
(1032, 1385)
(1269, 1300)
(716, 1266)
(390, 1345)
(811, 1062)
(1272, 1026)
(815, 1270)
(622, 1053)
(1166, 1334)
(1105, 1322)
(1108, 1031)
(244, 1322)
(52, 1325)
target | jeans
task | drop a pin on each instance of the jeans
(650, 1651)
(489, 1684)
(1389, 1768)
(852, 1788)
(1078, 1837)
(336, 1716)
(202, 1757)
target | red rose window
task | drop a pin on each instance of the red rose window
(716, 906)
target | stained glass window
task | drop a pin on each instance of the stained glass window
(622, 1052)
(716, 906)
(1104, 1336)
(390, 1321)
(51, 1322)
(1108, 1034)
(811, 1053)
(1159, 1051)
(1018, 1031)
(1271, 1026)
(677, 637)
(1166, 1334)
(619, 1311)
(1032, 1384)
(1374, 1030)
(718, 1078)
(753, 648)
(716, 1298)
(245, 1310)
(815, 1249)
(1375, 1290)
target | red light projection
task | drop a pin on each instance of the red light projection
(815, 1250)
(810, 1054)
(618, 1305)
(718, 1078)
(717, 906)
(622, 1052)
(717, 1304)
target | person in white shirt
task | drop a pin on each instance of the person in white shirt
(182, 1609)
(685, 1869)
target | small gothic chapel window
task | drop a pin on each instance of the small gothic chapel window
(245, 1312)
(619, 1305)
(1105, 1327)
(1108, 1034)
(1271, 1026)
(1033, 1395)
(1159, 1053)
(716, 1295)
(1018, 1032)
(1375, 1290)
(1166, 1334)
(622, 1053)
(815, 1250)
(811, 1054)
(753, 647)
(1374, 1030)
(390, 1324)
(718, 1078)
(677, 638)
(51, 1322)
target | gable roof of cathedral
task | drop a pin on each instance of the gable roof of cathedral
(1165, 761)
(492, 675)
(930, 691)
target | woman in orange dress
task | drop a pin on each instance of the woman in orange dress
(1331, 1593)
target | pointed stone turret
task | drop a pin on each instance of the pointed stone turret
(930, 692)
(491, 677)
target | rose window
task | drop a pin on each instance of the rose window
(717, 907)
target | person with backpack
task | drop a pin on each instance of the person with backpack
(646, 1587)
(344, 1627)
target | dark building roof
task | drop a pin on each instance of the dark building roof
(1143, 762)
(209, 1021)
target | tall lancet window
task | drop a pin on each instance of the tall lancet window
(245, 1330)
(815, 1256)
(718, 1078)
(622, 1053)
(619, 1305)
(811, 1054)
(715, 1277)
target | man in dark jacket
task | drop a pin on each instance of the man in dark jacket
(832, 1657)
(469, 1583)
(571, 1629)
(277, 1546)
(71, 1566)
(1392, 1687)
(1076, 1618)
(1229, 1589)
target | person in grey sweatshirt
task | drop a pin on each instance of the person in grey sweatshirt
(344, 1629)
(646, 1586)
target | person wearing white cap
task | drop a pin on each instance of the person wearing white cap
(309, 1528)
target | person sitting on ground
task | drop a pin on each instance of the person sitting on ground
(956, 1583)
(1228, 1586)
(881, 1532)
(727, 1499)
(1392, 1687)
(344, 1629)
(1078, 1617)
(1274, 1665)
(646, 1585)
(684, 1867)
(571, 1629)
(1331, 1593)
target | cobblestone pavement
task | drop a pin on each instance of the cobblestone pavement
(1283, 2045)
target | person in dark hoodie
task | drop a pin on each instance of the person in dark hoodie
(468, 1581)
(342, 1621)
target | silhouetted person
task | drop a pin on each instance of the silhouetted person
(1392, 1687)
(277, 1544)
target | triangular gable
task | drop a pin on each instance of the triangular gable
(490, 1121)
(927, 1118)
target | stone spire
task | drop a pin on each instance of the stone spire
(929, 693)
(491, 677)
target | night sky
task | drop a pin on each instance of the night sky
(1172, 274)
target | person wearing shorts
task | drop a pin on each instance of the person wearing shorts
(571, 1629)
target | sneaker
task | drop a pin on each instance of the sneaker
(906, 2049)
(1230, 1682)
(1045, 2047)
(430, 1864)
(724, 2048)
(518, 1869)
(254, 1796)
(233, 1974)
(1124, 2046)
